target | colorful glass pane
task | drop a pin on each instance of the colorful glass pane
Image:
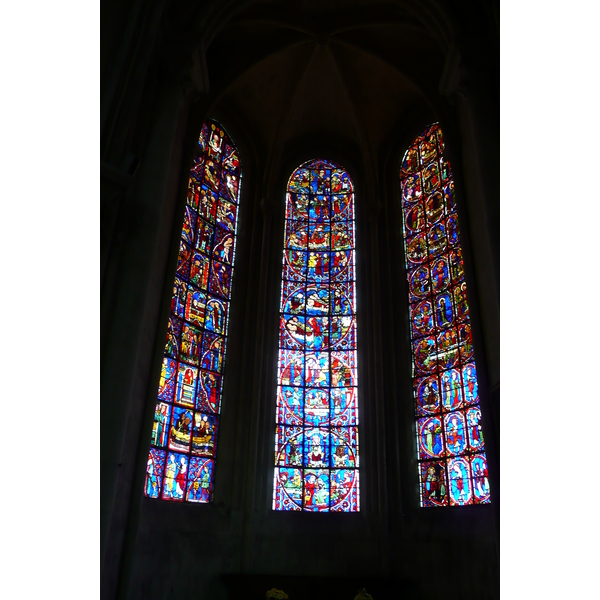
(186, 421)
(316, 440)
(450, 447)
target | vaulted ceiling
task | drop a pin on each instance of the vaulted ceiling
(353, 71)
(344, 70)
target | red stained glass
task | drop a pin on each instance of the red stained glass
(445, 378)
(181, 462)
(316, 446)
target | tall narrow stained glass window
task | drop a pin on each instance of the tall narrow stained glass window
(181, 463)
(450, 447)
(316, 440)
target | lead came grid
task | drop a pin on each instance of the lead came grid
(316, 445)
(180, 464)
(450, 447)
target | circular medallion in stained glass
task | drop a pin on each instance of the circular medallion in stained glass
(422, 318)
(342, 235)
(416, 249)
(411, 162)
(297, 206)
(289, 486)
(319, 208)
(342, 207)
(290, 405)
(294, 329)
(318, 266)
(344, 485)
(300, 181)
(291, 446)
(296, 261)
(343, 373)
(428, 395)
(436, 238)
(431, 178)
(411, 192)
(425, 355)
(342, 333)
(339, 263)
(318, 237)
(434, 208)
(316, 406)
(420, 286)
(317, 447)
(343, 448)
(298, 238)
(415, 219)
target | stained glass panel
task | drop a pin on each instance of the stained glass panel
(186, 421)
(316, 439)
(450, 446)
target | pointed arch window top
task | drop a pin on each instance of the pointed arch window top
(316, 446)
(450, 446)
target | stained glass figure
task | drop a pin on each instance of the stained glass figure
(450, 446)
(316, 440)
(186, 420)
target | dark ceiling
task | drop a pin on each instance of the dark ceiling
(350, 71)
(353, 71)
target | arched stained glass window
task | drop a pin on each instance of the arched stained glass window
(450, 448)
(316, 440)
(186, 420)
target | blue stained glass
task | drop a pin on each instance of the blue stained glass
(209, 391)
(445, 377)
(160, 430)
(154, 473)
(186, 421)
(461, 491)
(481, 486)
(200, 480)
(427, 396)
(474, 428)
(175, 477)
(316, 446)
(168, 374)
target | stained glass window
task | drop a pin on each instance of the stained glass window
(181, 465)
(450, 447)
(316, 439)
